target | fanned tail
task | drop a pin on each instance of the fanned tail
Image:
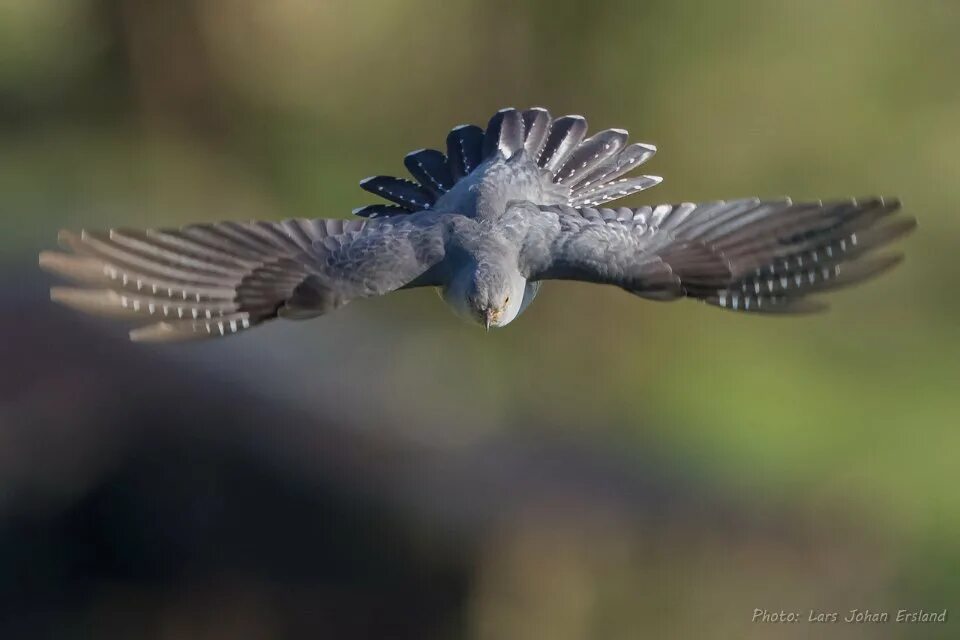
(590, 167)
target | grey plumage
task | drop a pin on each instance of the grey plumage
(627, 160)
(504, 134)
(430, 169)
(604, 193)
(586, 171)
(565, 134)
(406, 194)
(504, 210)
(536, 126)
(593, 152)
(219, 279)
(745, 255)
(379, 210)
(464, 149)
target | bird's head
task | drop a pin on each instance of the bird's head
(489, 296)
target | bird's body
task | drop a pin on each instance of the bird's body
(504, 210)
(485, 236)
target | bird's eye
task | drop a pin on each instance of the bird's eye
(507, 300)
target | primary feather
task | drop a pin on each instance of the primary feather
(745, 255)
(219, 279)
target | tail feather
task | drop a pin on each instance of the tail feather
(590, 169)
(504, 133)
(615, 190)
(565, 134)
(429, 167)
(630, 158)
(464, 149)
(379, 211)
(594, 151)
(536, 126)
(403, 192)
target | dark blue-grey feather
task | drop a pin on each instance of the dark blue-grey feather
(613, 191)
(429, 167)
(380, 211)
(590, 154)
(744, 255)
(464, 149)
(504, 132)
(565, 134)
(405, 193)
(631, 157)
(536, 126)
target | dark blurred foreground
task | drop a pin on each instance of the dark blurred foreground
(144, 498)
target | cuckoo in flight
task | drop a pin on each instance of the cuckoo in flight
(505, 209)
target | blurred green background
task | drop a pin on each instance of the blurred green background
(604, 467)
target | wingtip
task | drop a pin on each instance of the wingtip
(74, 296)
(72, 266)
(95, 301)
(900, 227)
(57, 294)
(886, 262)
(891, 202)
(67, 239)
(157, 332)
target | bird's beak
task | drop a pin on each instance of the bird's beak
(487, 318)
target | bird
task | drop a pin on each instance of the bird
(528, 199)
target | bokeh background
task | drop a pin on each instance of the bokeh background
(603, 468)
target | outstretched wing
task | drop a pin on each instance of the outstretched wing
(744, 255)
(210, 280)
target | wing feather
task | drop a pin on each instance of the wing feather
(744, 255)
(218, 279)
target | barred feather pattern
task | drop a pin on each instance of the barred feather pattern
(200, 281)
(592, 168)
(746, 255)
